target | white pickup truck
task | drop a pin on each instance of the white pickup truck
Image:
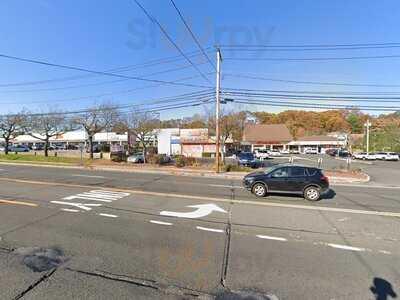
(387, 156)
(364, 156)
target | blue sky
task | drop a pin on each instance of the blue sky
(102, 35)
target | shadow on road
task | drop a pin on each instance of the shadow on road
(330, 194)
(382, 289)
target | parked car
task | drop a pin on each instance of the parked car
(19, 148)
(261, 154)
(284, 152)
(288, 179)
(136, 158)
(387, 156)
(247, 159)
(366, 156)
(96, 148)
(359, 155)
(311, 151)
(331, 151)
(37, 147)
(2, 148)
(343, 153)
(274, 153)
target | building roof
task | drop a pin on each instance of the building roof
(315, 138)
(266, 134)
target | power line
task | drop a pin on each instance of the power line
(150, 63)
(201, 97)
(275, 49)
(318, 106)
(98, 95)
(154, 20)
(310, 82)
(193, 35)
(313, 58)
(98, 83)
(317, 97)
(99, 72)
(315, 45)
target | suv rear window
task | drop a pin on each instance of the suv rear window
(297, 172)
(312, 171)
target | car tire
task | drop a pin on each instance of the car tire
(259, 190)
(312, 193)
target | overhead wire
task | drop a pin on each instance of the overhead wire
(193, 35)
(309, 82)
(154, 20)
(98, 72)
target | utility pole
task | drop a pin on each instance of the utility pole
(368, 125)
(217, 110)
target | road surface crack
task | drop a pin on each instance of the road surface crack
(35, 284)
(227, 248)
(146, 283)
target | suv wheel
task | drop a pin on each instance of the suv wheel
(259, 190)
(312, 193)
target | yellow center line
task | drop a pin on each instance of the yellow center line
(18, 203)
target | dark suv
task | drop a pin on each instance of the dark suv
(289, 179)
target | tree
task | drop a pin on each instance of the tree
(9, 126)
(96, 120)
(44, 126)
(141, 127)
(355, 122)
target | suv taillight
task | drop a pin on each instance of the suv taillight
(324, 178)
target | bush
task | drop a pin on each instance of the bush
(236, 168)
(158, 159)
(182, 161)
(118, 157)
(207, 155)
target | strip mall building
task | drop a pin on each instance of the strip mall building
(278, 137)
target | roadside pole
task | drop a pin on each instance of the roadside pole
(217, 111)
(367, 125)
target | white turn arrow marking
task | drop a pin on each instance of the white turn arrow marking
(201, 211)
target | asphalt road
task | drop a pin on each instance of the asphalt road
(74, 234)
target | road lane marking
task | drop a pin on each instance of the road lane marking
(160, 223)
(87, 176)
(201, 198)
(370, 186)
(202, 210)
(275, 238)
(94, 195)
(108, 215)
(209, 229)
(84, 197)
(345, 247)
(84, 206)
(69, 210)
(385, 252)
(18, 203)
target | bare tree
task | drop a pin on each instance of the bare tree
(141, 127)
(45, 126)
(96, 120)
(10, 125)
